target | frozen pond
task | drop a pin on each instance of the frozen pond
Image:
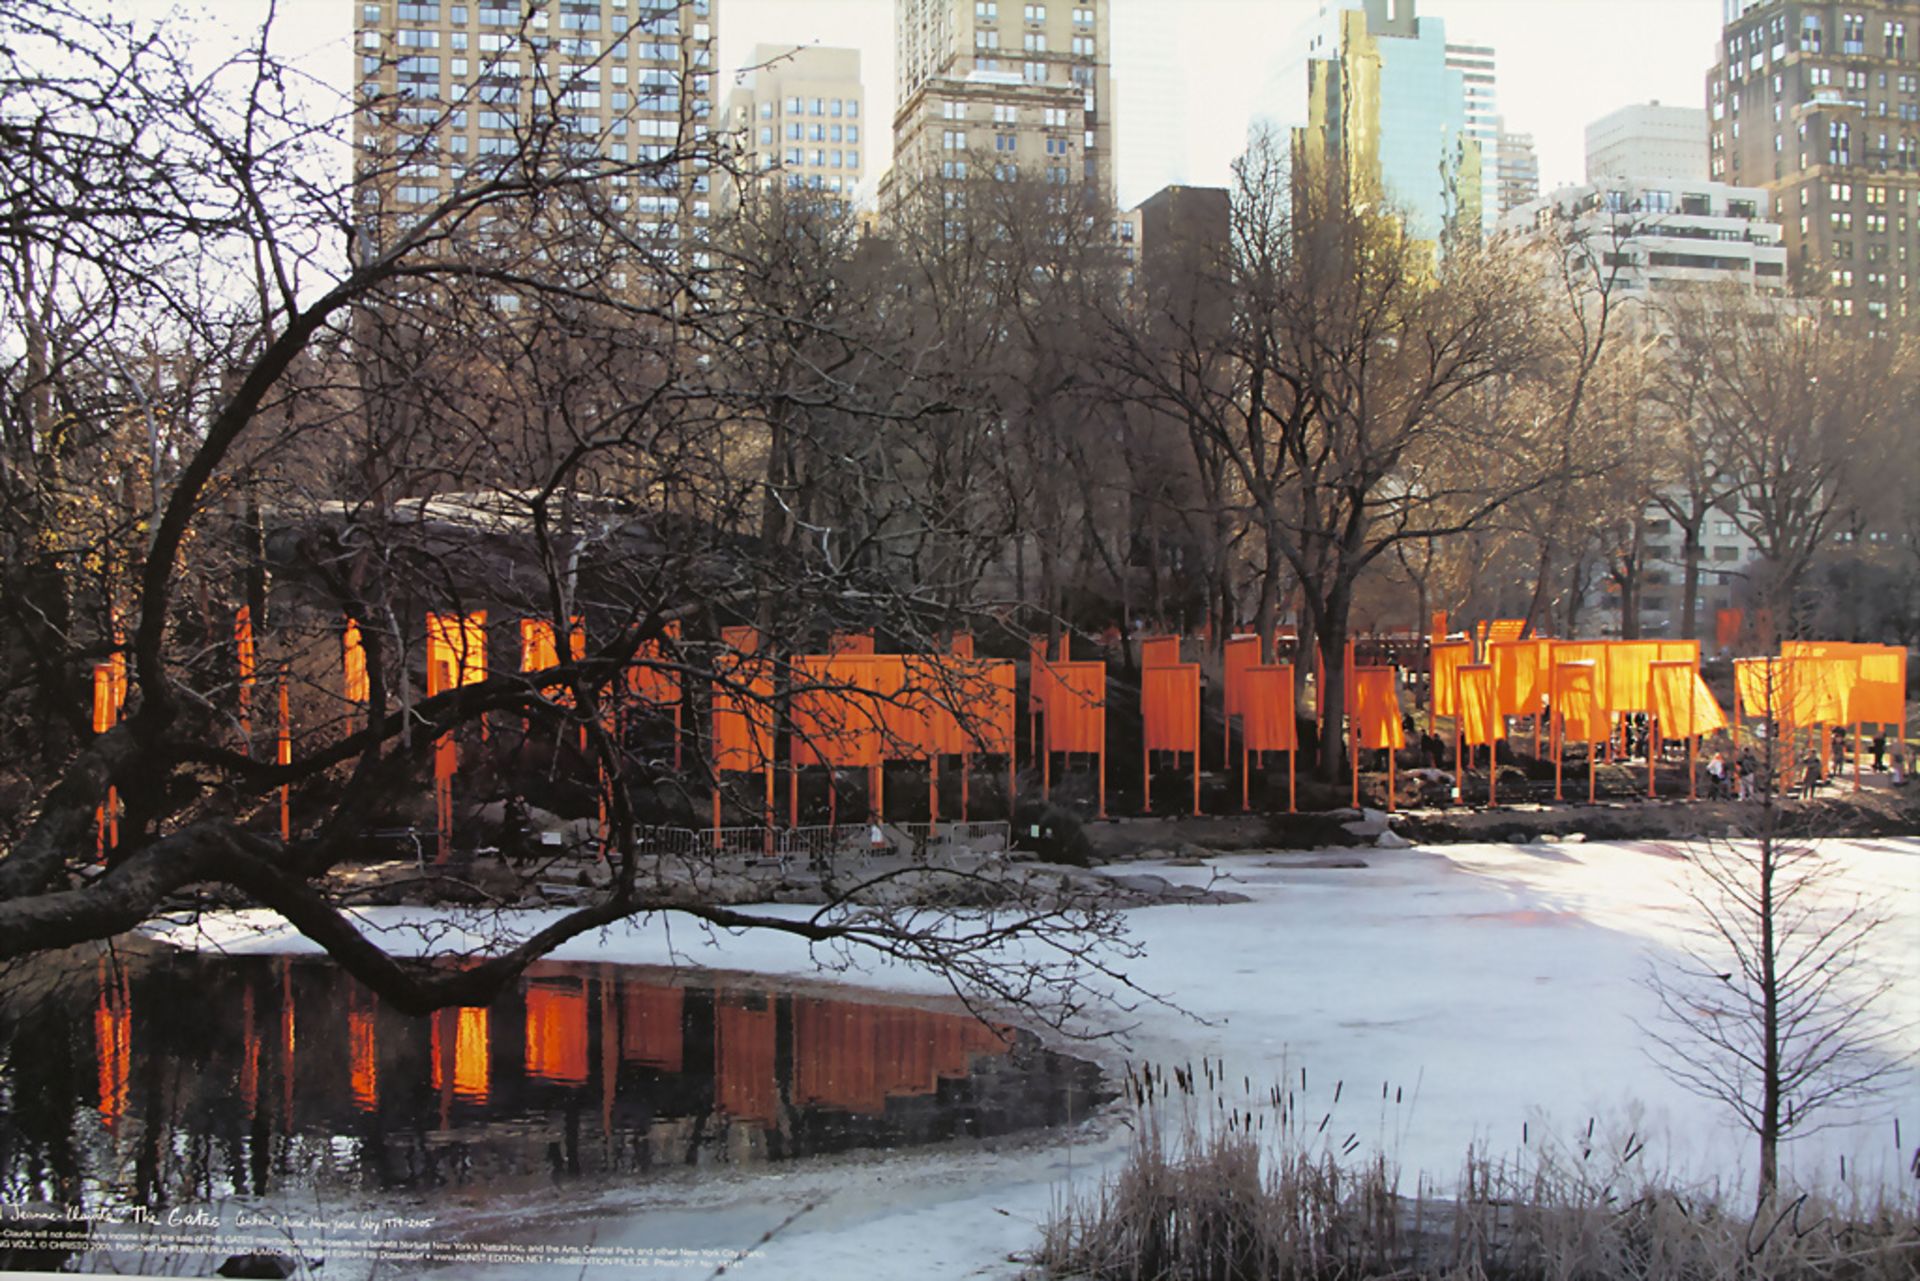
(193, 1077)
(1483, 996)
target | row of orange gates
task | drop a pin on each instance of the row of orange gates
(854, 708)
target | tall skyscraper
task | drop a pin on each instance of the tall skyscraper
(1820, 105)
(1381, 98)
(450, 88)
(1479, 84)
(800, 116)
(995, 88)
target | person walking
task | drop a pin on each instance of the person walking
(1716, 777)
(1810, 779)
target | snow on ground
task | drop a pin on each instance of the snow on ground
(1493, 986)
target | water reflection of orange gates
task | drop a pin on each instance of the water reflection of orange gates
(113, 1040)
(855, 1057)
(557, 1031)
(363, 1060)
(462, 1041)
(745, 1086)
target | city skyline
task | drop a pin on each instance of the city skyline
(1183, 96)
(1217, 80)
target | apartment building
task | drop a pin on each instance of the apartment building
(1648, 140)
(800, 115)
(998, 89)
(451, 91)
(1652, 235)
(1819, 104)
(1516, 168)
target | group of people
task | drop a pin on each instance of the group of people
(1738, 779)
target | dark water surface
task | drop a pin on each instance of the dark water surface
(184, 1077)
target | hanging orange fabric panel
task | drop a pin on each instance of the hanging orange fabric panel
(850, 643)
(1503, 630)
(1437, 626)
(1076, 707)
(1880, 692)
(1480, 720)
(1761, 686)
(742, 714)
(1727, 626)
(649, 678)
(1822, 689)
(1683, 703)
(1267, 714)
(1583, 715)
(991, 711)
(1629, 664)
(1517, 682)
(744, 639)
(1448, 655)
(537, 649)
(1594, 652)
(243, 645)
(903, 729)
(1170, 707)
(961, 646)
(557, 1030)
(1873, 690)
(1376, 707)
(1241, 653)
(109, 692)
(937, 686)
(1159, 651)
(353, 651)
(833, 718)
(1041, 682)
(965, 705)
(456, 650)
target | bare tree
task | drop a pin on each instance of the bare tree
(1772, 1011)
(1336, 390)
(374, 403)
(1788, 396)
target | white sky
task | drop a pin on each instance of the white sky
(1186, 72)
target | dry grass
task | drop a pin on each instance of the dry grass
(1215, 1192)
